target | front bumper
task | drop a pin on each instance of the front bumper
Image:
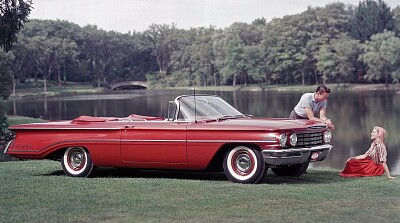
(296, 155)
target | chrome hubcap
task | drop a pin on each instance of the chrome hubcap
(76, 159)
(243, 163)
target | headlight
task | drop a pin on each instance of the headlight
(283, 139)
(327, 136)
(293, 139)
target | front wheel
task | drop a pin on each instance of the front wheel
(244, 165)
(76, 162)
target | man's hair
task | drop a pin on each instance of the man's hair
(323, 89)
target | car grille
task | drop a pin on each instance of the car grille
(309, 139)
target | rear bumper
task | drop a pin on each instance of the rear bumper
(8, 145)
(296, 155)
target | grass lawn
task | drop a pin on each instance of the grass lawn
(71, 89)
(15, 120)
(38, 191)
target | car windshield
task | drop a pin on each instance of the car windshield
(207, 107)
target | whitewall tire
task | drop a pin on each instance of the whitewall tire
(244, 165)
(76, 162)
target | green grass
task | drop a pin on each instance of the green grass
(15, 120)
(38, 191)
(70, 89)
(32, 90)
(293, 88)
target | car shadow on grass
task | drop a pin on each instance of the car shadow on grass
(312, 177)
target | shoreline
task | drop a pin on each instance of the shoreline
(87, 89)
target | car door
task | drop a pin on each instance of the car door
(155, 144)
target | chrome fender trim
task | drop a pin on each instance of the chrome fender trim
(8, 145)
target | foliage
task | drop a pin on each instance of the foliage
(382, 55)
(5, 75)
(319, 45)
(371, 17)
(337, 60)
(13, 15)
(396, 17)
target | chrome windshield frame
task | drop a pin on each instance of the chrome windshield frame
(202, 107)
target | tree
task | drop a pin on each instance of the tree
(283, 49)
(369, 18)
(5, 74)
(13, 15)
(198, 58)
(382, 56)
(51, 53)
(101, 50)
(396, 16)
(336, 60)
(234, 62)
(164, 40)
(22, 63)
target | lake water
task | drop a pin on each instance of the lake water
(353, 113)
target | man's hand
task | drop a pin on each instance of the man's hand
(330, 124)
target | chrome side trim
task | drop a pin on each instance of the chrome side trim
(8, 145)
(230, 141)
(65, 129)
(148, 141)
(204, 141)
(145, 140)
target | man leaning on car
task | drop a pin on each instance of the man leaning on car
(312, 106)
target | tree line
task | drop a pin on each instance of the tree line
(336, 43)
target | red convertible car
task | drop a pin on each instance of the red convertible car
(201, 132)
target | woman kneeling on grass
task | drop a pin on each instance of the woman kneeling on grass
(373, 162)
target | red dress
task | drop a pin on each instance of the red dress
(370, 166)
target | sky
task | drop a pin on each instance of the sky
(137, 15)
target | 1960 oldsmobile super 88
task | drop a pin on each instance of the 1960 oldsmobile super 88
(203, 133)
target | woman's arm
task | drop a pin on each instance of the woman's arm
(357, 157)
(363, 156)
(386, 168)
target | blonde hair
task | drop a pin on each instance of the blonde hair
(381, 132)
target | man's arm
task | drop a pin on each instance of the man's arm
(323, 118)
(326, 120)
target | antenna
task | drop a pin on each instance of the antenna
(194, 98)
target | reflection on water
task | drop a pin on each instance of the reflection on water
(353, 113)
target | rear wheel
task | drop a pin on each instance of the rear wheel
(292, 171)
(244, 165)
(76, 162)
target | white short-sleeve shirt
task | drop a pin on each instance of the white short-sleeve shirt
(307, 100)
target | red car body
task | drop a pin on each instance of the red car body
(195, 137)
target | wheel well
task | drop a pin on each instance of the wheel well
(216, 163)
(58, 154)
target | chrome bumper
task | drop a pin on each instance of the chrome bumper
(7, 145)
(296, 155)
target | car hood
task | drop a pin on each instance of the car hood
(269, 124)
